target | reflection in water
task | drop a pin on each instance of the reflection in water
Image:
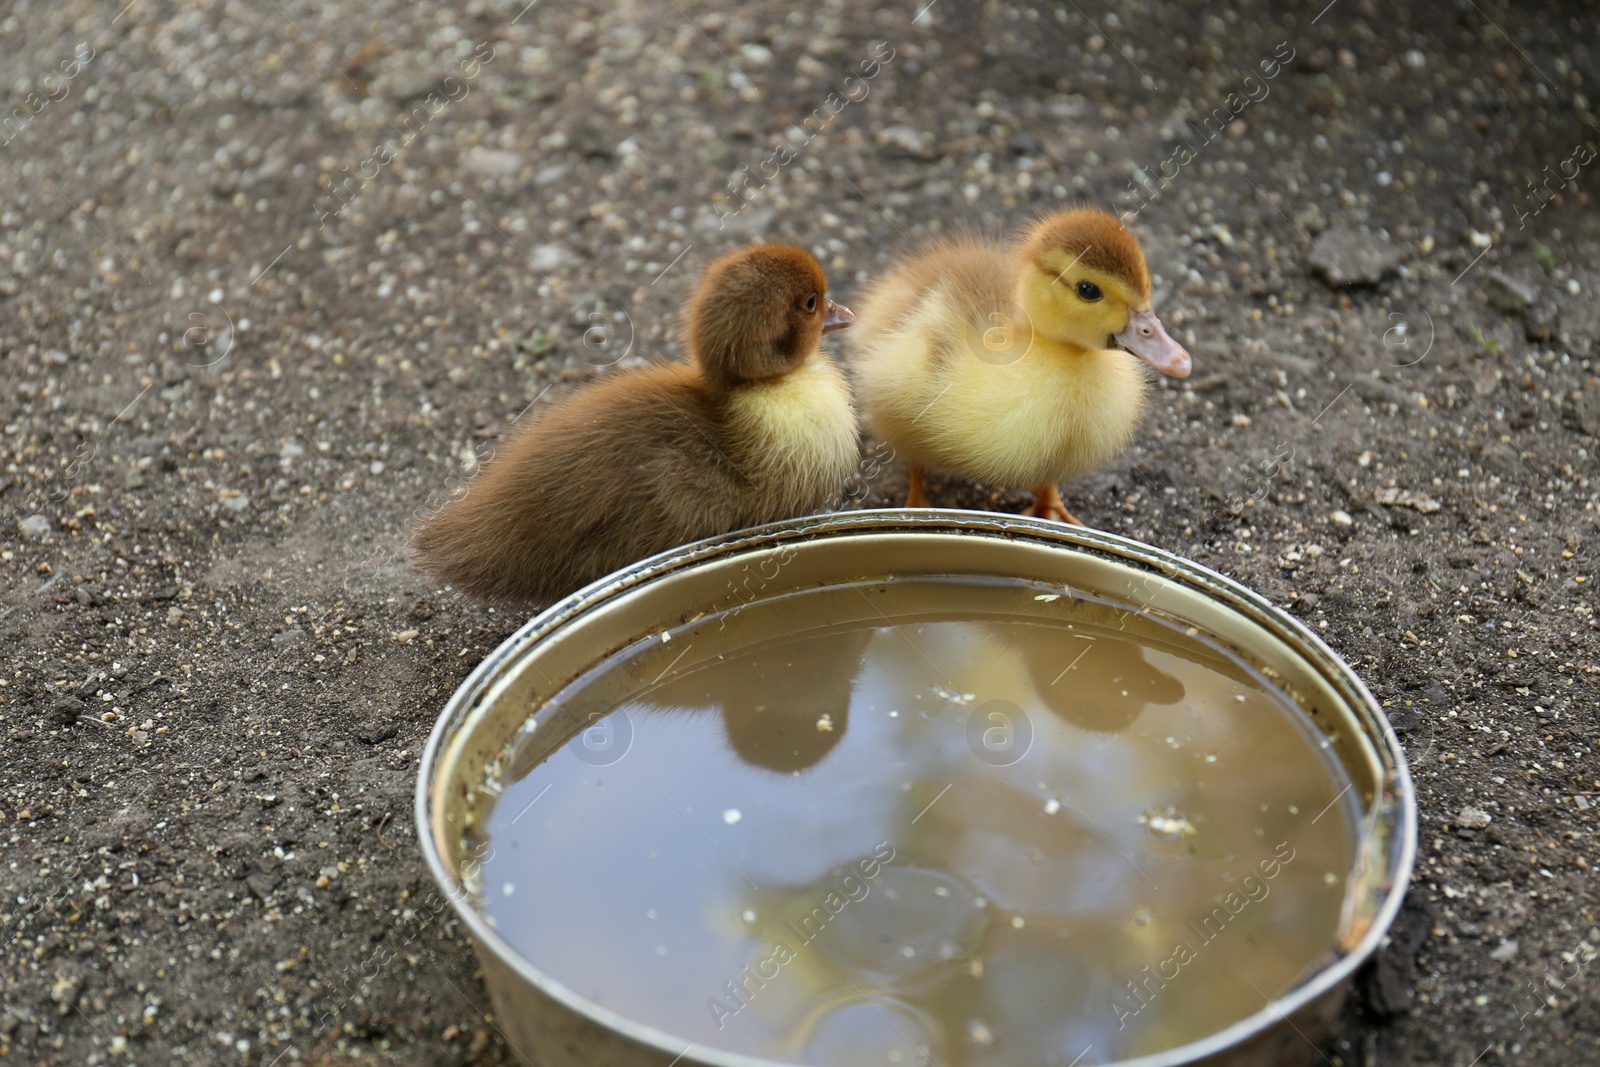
(812, 852)
(1114, 686)
(772, 721)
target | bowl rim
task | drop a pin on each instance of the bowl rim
(1232, 595)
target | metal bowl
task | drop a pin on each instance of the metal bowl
(549, 1025)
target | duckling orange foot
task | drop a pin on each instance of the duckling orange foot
(1048, 504)
(915, 497)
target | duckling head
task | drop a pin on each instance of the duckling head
(1084, 283)
(758, 313)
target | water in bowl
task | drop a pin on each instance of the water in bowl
(926, 821)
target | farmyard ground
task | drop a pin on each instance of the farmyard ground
(272, 276)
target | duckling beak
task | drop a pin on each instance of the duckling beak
(1146, 338)
(838, 318)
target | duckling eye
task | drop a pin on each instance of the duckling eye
(1089, 291)
(811, 302)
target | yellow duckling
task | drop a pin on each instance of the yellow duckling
(1013, 367)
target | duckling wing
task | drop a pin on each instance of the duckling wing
(957, 278)
(624, 469)
(918, 326)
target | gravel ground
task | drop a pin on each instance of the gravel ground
(274, 276)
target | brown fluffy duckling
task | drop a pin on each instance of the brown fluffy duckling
(758, 427)
(1015, 367)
